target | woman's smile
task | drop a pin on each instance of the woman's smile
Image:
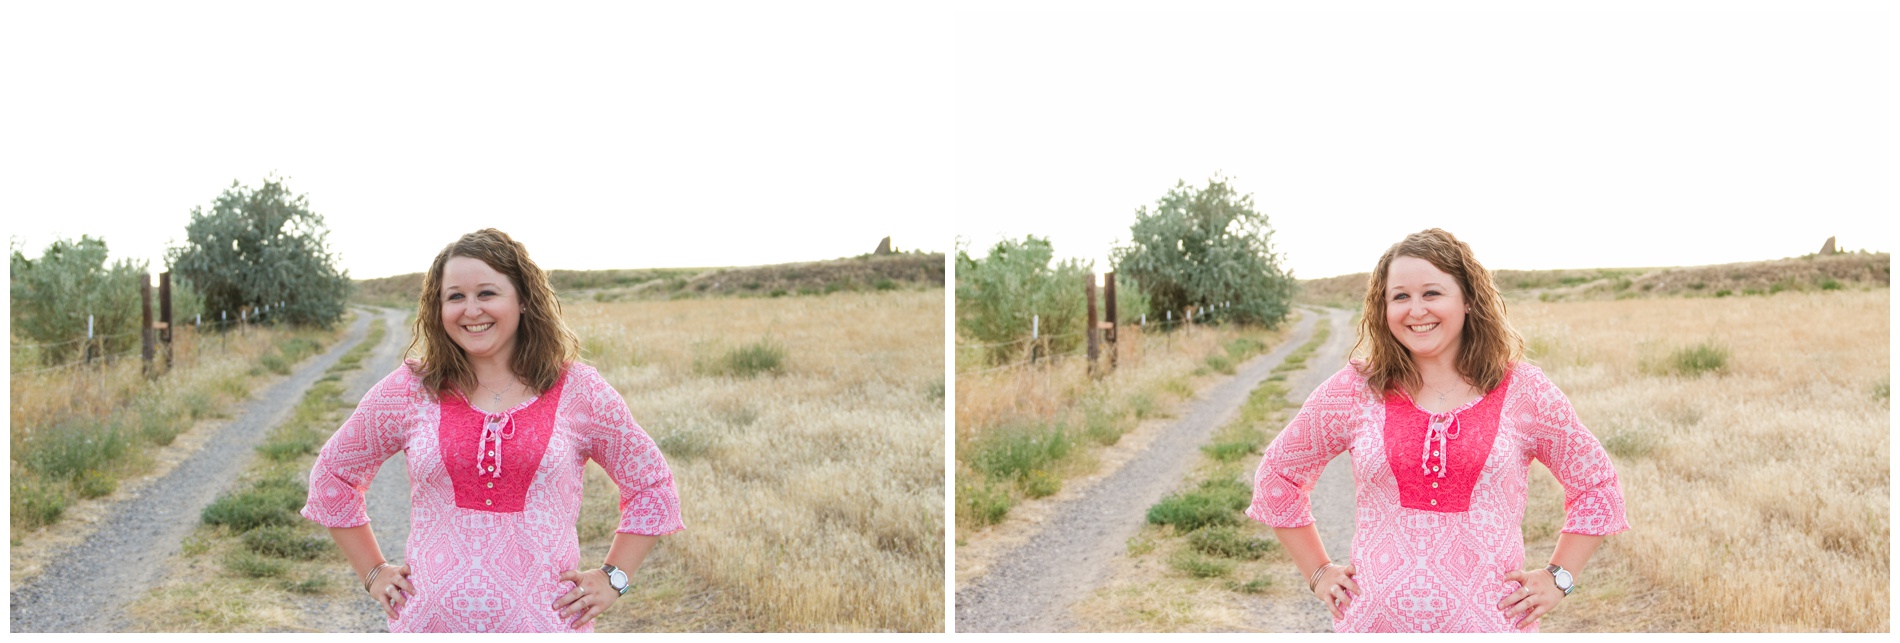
(478, 328)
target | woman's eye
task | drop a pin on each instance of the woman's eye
(488, 293)
(1431, 293)
(1398, 297)
(455, 296)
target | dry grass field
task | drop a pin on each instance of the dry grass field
(1751, 436)
(1810, 273)
(1757, 491)
(806, 437)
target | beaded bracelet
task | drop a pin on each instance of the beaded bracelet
(1312, 584)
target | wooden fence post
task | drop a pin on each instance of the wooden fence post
(165, 315)
(145, 328)
(1114, 350)
(1088, 295)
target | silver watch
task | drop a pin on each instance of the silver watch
(618, 579)
(1564, 581)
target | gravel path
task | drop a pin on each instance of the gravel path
(388, 501)
(1334, 509)
(1031, 588)
(89, 586)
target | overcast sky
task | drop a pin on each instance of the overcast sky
(602, 135)
(1544, 138)
(618, 136)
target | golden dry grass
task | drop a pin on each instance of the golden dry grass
(1758, 496)
(813, 498)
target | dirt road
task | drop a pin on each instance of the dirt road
(88, 587)
(1030, 588)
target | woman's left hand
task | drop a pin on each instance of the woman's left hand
(1536, 595)
(591, 596)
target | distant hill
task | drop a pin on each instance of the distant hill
(1811, 272)
(863, 272)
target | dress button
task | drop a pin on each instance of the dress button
(492, 468)
(1434, 485)
(1434, 469)
(491, 485)
(490, 502)
(1434, 502)
(492, 454)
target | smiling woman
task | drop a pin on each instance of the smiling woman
(498, 419)
(1439, 542)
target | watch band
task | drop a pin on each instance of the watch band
(1556, 569)
(621, 586)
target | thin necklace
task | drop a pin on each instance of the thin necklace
(497, 399)
(1441, 394)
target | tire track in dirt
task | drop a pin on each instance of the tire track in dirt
(1030, 588)
(89, 585)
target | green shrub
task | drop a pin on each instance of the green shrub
(75, 446)
(1216, 502)
(1630, 444)
(1240, 347)
(885, 284)
(197, 405)
(93, 483)
(1828, 283)
(1702, 358)
(271, 501)
(274, 363)
(284, 542)
(751, 360)
(1039, 484)
(33, 503)
(1012, 452)
(244, 563)
(1103, 424)
(1724, 292)
(1199, 566)
(309, 585)
(1229, 542)
(1228, 451)
(1143, 404)
(1220, 363)
(982, 506)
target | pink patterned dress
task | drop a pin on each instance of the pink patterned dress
(1440, 496)
(494, 496)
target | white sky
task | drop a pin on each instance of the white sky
(1544, 138)
(601, 135)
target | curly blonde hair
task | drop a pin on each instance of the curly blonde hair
(1488, 345)
(544, 345)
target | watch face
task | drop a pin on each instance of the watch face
(1563, 579)
(617, 578)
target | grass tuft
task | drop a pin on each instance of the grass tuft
(269, 502)
(1229, 542)
(284, 542)
(1706, 357)
(1216, 502)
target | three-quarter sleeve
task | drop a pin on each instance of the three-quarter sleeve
(1593, 500)
(1294, 460)
(649, 503)
(349, 460)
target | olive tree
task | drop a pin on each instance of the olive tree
(1000, 297)
(263, 246)
(1207, 247)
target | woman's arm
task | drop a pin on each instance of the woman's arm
(1335, 587)
(1537, 593)
(592, 593)
(359, 547)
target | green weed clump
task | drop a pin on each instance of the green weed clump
(1220, 363)
(1706, 357)
(1630, 444)
(248, 564)
(1012, 452)
(1040, 484)
(284, 542)
(1216, 502)
(33, 503)
(269, 502)
(1199, 566)
(751, 360)
(982, 506)
(1229, 542)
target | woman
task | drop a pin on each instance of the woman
(497, 421)
(1443, 418)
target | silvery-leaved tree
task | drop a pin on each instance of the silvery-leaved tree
(1207, 247)
(263, 247)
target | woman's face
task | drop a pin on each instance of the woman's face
(1423, 307)
(480, 308)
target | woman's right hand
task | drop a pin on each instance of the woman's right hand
(1336, 588)
(392, 589)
